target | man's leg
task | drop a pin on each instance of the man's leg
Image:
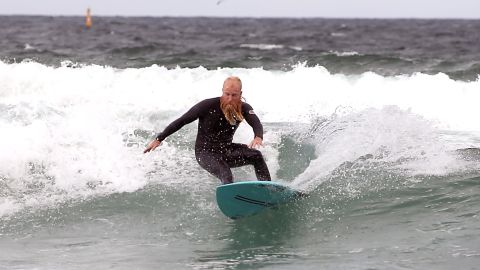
(214, 164)
(240, 154)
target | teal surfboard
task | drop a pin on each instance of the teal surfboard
(248, 198)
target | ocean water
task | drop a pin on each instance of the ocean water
(376, 119)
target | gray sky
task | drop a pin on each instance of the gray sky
(251, 8)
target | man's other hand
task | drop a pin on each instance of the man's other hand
(256, 143)
(154, 144)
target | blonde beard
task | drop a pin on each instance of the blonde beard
(232, 112)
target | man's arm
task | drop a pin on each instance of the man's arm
(190, 116)
(253, 120)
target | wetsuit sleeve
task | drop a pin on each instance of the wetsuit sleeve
(253, 120)
(190, 116)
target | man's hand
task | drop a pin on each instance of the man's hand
(154, 144)
(256, 143)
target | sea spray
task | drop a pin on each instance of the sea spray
(83, 129)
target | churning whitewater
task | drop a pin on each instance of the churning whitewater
(73, 133)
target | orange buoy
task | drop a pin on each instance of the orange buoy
(88, 19)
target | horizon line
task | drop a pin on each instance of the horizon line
(245, 17)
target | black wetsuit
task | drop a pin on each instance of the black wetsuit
(214, 149)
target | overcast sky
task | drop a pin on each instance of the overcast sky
(250, 8)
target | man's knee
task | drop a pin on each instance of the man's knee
(216, 168)
(254, 154)
(257, 158)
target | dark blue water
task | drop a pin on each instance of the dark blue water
(347, 46)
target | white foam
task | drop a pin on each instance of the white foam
(262, 46)
(398, 139)
(72, 122)
(304, 90)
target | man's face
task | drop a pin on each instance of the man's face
(231, 93)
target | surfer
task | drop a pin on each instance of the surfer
(219, 118)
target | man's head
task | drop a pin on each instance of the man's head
(231, 99)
